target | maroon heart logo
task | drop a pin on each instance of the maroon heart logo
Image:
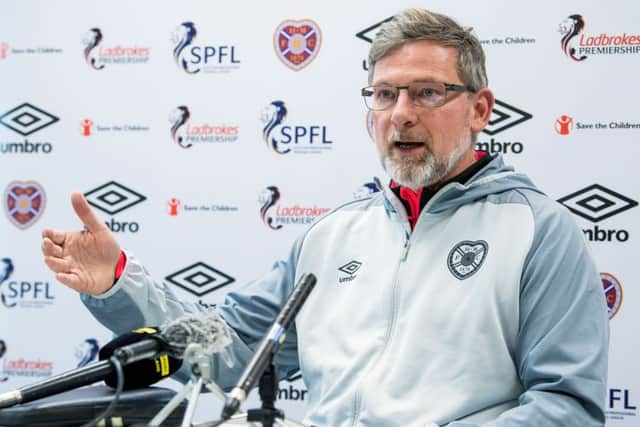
(24, 202)
(297, 43)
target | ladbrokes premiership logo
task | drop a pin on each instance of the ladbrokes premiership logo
(299, 139)
(97, 55)
(24, 203)
(297, 43)
(577, 46)
(186, 135)
(276, 216)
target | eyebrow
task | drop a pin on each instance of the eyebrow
(386, 83)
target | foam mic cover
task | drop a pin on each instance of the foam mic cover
(141, 373)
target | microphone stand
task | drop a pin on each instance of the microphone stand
(200, 376)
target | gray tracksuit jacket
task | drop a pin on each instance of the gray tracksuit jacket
(489, 313)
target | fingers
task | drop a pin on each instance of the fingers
(58, 265)
(51, 249)
(57, 237)
(86, 214)
(70, 280)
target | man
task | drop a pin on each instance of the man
(475, 303)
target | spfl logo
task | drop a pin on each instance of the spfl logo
(193, 59)
(612, 292)
(350, 270)
(283, 139)
(466, 258)
(97, 55)
(297, 43)
(186, 135)
(24, 203)
(113, 198)
(87, 351)
(276, 216)
(22, 293)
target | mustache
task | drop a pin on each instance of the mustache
(407, 135)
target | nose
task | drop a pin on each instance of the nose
(404, 112)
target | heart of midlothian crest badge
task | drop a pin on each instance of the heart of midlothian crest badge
(466, 258)
(24, 202)
(297, 42)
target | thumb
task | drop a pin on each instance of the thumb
(86, 214)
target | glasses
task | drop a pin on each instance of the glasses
(423, 94)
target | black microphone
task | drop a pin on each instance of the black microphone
(269, 346)
(147, 355)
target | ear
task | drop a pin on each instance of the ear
(482, 107)
(369, 125)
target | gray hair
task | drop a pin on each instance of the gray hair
(420, 24)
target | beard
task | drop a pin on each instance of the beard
(423, 170)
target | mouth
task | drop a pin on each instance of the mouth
(408, 146)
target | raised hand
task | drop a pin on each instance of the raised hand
(83, 260)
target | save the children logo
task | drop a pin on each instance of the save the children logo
(192, 58)
(466, 258)
(97, 55)
(297, 42)
(578, 46)
(297, 138)
(275, 215)
(186, 134)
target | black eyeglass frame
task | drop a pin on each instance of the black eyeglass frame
(447, 87)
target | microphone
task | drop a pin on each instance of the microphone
(269, 346)
(148, 355)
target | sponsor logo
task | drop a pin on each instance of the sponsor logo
(578, 46)
(612, 293)
(299, 139)
(186, 134)
(22, 293)
(275, 216)
(97, 55)
(3, 350)
(620, 404)
(566, 125)
(86, 352)
(466, 258)
(176, 207)
(199, 279)
(297, 43)
(26, 119)
(113, 198)
(503, 117)
(292, 391)
(207, 58)
(365, 190)
(88, 127)
(368, 34)
(596, 203)
(27, 368)
(350, 270)
(24, 203)
(31, 50)
(509, 41)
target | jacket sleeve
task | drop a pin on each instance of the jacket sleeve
(563, 334)
(137, 300)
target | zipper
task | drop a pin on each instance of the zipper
(357, 398)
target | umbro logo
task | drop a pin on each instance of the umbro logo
(350, 270)
(113, 198)
(503, 117)
(597, 202)
(27, 119)
(199, 279)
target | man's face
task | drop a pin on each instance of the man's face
(422, 146)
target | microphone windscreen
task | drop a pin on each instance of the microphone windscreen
(207, 329)
(144, 372)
